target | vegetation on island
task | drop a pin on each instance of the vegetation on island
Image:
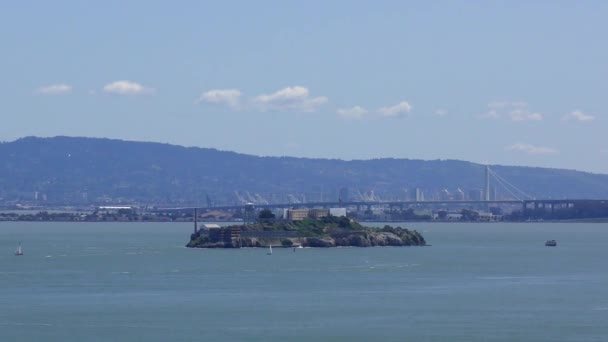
(327, 231)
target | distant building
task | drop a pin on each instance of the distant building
(458, 195)
(225, 234)
(280, 213)
(301, 214)
(318, 213)
(210, 226)
(216, 215)
(338, 212)
(476, 195)
(296, 214)
(417, 195)
(485, 216)
(115, 209)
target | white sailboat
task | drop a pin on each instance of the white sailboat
(19, 251)
(269, 250)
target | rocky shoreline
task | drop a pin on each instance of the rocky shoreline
(326, 232)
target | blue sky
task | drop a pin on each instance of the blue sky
(505, 82)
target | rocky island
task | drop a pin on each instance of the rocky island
(327, 231)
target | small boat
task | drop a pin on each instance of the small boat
(19, 251)
(551, 243)
(269, 250)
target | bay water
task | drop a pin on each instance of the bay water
(137, 282)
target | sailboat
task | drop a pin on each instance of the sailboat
(19, 251)
(269, 250)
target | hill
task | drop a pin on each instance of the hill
(90, 170)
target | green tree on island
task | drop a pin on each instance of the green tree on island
(266, 215)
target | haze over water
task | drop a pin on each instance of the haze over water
(478, 282)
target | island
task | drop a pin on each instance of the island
(328, 231)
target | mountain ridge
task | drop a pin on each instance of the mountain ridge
(80, 169)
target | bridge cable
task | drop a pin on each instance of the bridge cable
(507, 188)
(498, 177)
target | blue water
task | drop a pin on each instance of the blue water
(136, 282)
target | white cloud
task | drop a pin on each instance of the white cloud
(441, 112)
(531, 149)
(229, 97)
(55, 89)
(398, 110)
(504, 104)
(524, 115)
(578, 115)
(515, 111)
(354, 113)
(491, 114)
(289, 98)
(126, 88)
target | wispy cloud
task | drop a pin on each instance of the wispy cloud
(524, 115)
(55, 89)
(578, 115)
(531, 149)
(354, 113)
(229, 97)
(514, 111)
(295, 98)
(398, 110)
(292, 145)
(126, 88)
(441, 112)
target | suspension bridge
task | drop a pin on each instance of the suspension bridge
(518, 197)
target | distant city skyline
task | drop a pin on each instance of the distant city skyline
(509, 83)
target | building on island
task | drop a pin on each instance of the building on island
(226, 234)
(296, 214)
(301, 214)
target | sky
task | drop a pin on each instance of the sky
(498, 82)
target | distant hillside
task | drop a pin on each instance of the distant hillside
(87, 170)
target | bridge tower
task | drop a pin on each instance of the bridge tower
(487, 187)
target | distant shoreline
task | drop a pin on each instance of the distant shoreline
(598, 220)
